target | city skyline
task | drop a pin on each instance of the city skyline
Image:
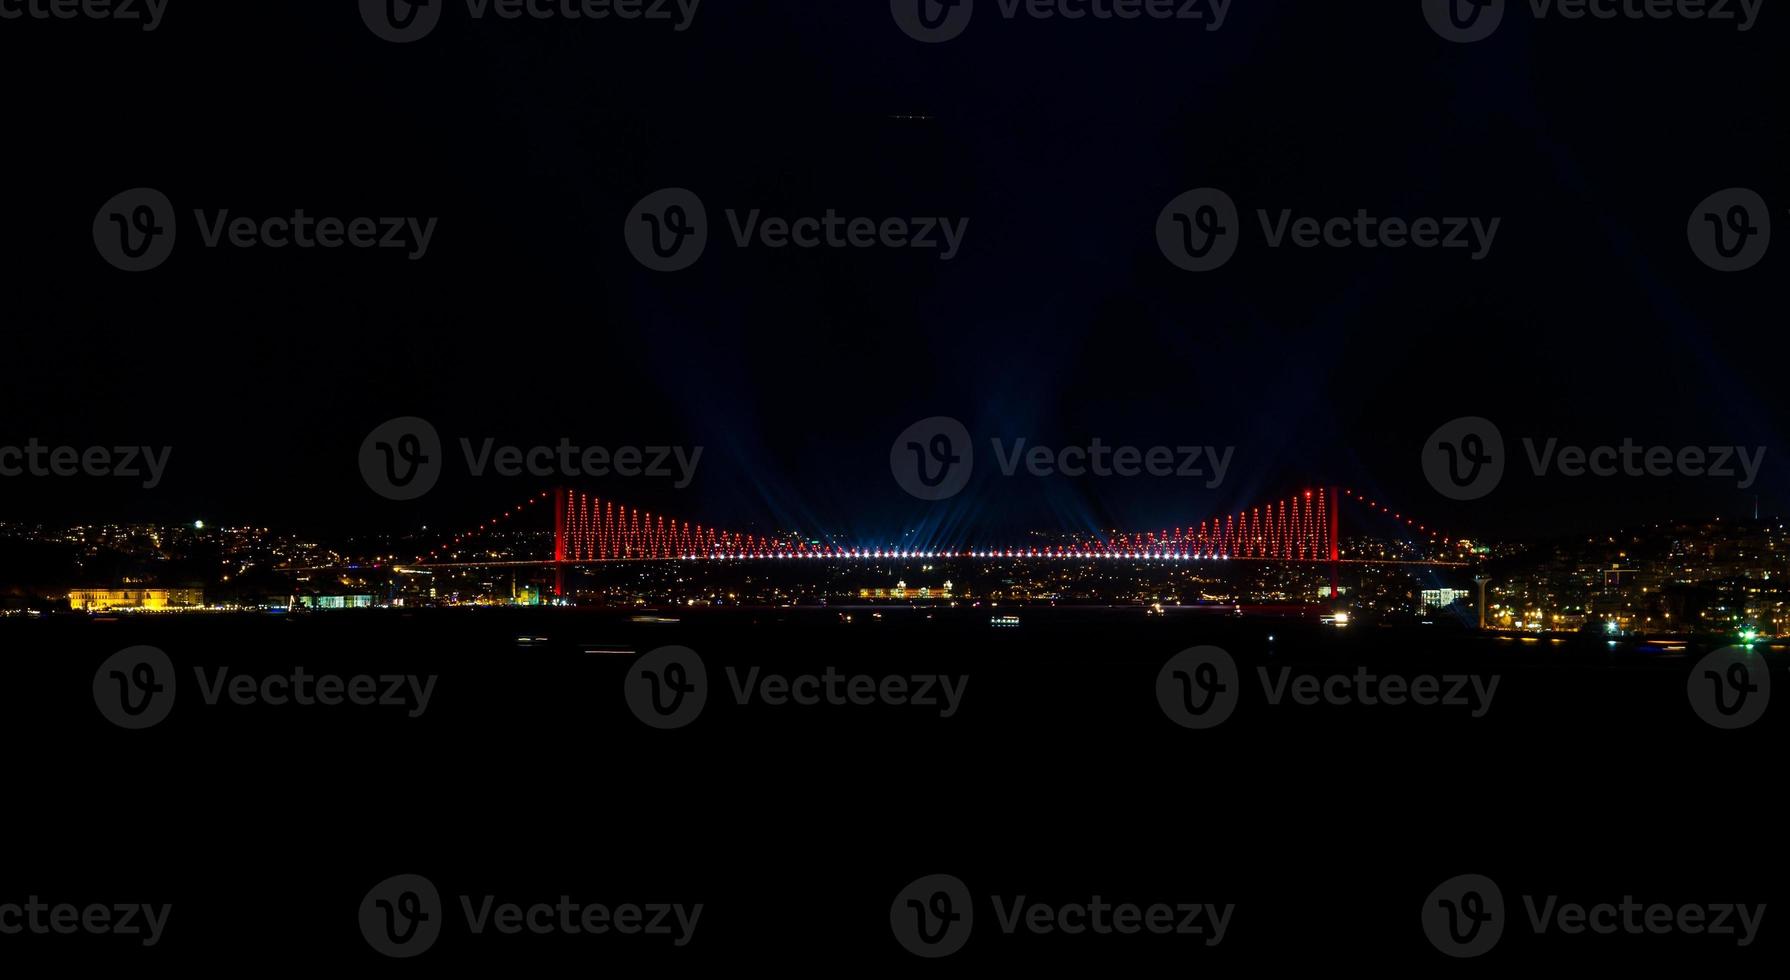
(1682, 577)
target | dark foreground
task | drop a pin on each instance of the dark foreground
(1044, 766)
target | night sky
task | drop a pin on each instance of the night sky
(528, 320)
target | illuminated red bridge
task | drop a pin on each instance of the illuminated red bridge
(588, 530)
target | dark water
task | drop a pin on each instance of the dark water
(1058, 776)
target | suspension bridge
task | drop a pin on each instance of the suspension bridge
(589, 530)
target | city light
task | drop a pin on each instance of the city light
(1716, 579)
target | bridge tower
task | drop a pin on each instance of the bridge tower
(560, 504)
(1335, 547)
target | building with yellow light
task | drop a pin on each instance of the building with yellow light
(902, 591)
(100, 600)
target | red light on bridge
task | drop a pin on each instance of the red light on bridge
(1298, 528)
